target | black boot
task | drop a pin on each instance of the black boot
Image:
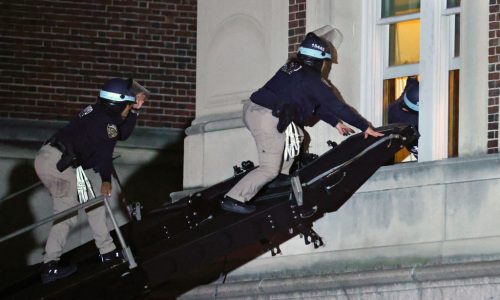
(53, 271)
(114, 256)
(229, 204)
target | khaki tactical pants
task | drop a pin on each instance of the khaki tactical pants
(270, 146)
(62, 188)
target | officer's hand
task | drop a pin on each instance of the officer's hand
(371, 132)
(139, 100)
(343, 129)
(106, 189)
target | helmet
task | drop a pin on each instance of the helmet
(115, 94)
(313, 51)
(410, 94)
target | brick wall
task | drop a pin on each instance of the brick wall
(296, 24)
(494, 76)
(56, 54)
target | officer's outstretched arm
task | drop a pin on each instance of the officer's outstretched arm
(371, 132)
(344, 129)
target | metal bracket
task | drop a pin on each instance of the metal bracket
(275, 249)
(271, 221)
(310, 236)
(134, 209)
(297, 190)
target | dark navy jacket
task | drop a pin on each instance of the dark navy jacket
(303, 87)
(397, 115)
(93, 135)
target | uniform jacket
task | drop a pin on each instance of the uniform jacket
(398, 115)
(303, 87)
(93, 135)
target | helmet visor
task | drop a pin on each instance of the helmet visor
(332, 37)
(135, 88)
(330, 34)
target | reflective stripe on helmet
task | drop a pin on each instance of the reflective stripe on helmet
(115, 96)
(409, 103)
(314, 53)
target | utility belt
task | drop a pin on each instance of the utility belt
(68, 157)
(286, 114)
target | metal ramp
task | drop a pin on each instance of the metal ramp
(193, 242)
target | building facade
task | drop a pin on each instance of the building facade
(417, 230)
(54, 58)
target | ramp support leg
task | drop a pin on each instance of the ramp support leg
(127, 253)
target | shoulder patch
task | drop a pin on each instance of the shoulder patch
(87, 110)
(291, 67)
(112, 131)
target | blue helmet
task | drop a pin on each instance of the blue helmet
(411, 94)
(313, 51)
(116, 94)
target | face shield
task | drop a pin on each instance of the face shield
(333, 37)
(135, 88)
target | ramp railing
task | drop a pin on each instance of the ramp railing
(127, 253)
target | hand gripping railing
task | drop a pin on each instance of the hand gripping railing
(126, 250)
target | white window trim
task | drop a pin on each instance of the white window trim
(372, 66)
(397, 19)
(451, 11)
(434, 71)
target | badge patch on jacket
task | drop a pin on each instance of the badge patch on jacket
(112, 131)
(291, 67)
(87, 110)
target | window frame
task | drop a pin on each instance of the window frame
(434, 71)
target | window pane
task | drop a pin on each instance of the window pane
(404, 43)
(392, 8)
(457, 36)
(452, 3)
(453, 114)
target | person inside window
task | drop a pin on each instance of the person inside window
(405, 109)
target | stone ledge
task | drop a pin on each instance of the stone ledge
(316, 284)
(38, 131)
(216, 123)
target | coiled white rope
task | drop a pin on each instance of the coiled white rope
(83, 186)
(292, 142)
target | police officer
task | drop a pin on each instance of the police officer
(294, 94)
(88, 141)
(405, 109)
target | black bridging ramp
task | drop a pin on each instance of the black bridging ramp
(193, 242)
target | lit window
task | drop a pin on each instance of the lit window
(404, 43)
(453, 114)
(393, 90)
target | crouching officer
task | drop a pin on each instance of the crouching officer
(405, 109)
(88, 141)
(294, 94)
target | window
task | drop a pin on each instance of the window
(398, 29)
(452, 3)
(453, 113)
(404, 43)
(391, 8)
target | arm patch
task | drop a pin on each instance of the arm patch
(87, 110)
(291, 67)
